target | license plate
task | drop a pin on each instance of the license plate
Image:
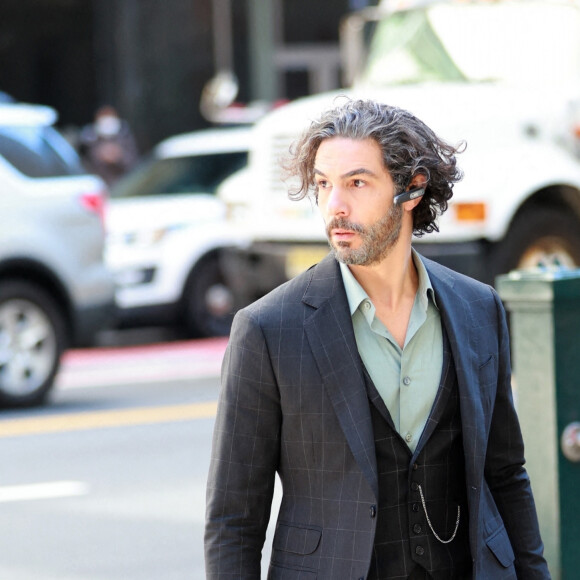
(301, 258)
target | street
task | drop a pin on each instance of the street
(108, 481)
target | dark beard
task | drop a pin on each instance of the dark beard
(377, 240)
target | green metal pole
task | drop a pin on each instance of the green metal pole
(262, 41)
(567, 353)
(545, 333)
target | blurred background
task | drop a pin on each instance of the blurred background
(142, 204)
(152, 59)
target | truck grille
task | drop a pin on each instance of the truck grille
(278, 152)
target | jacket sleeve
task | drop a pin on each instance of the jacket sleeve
(505, 473)
(245, 455)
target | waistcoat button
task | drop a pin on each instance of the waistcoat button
(414, 486)
(417, 528)
(419, 550)
(415, 507)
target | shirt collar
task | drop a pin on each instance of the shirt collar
(355, 293)
(425, 290)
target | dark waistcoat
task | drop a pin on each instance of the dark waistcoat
(403, 537)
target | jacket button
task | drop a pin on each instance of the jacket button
(373, 511)
(417, 528)
(419, 550)
(414, 486)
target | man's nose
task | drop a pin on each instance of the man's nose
(337, 201)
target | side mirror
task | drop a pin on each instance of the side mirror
(218, 94)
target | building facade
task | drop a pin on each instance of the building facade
(152, 58)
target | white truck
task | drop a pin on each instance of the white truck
(504, 76)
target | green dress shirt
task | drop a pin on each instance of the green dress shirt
(407, 379)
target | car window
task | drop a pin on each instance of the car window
(180, 175)
(38, 152)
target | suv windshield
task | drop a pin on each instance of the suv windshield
(39, 152)
(476, 42)
(180, 175)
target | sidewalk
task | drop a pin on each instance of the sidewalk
(101, 366)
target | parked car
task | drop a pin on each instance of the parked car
(55, 290)
(167, 230)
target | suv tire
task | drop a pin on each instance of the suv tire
(209, 305)
(32, 339)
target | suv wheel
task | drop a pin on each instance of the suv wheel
(209, 302)
(32, 336)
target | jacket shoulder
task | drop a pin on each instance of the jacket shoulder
(289, 298)
(459, 282)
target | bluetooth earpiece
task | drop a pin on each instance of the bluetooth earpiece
(408, 195)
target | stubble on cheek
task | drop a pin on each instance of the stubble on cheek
(376, 240)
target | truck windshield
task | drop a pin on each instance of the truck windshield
(517, 42)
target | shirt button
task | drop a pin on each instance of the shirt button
(367, 305)
(407, 381)
(417, 528)
(373, 511)
(419, 550)
(408, 437)
(414, 486)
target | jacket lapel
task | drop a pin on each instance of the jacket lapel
(459, 320)
(331, 338)
(457, 316)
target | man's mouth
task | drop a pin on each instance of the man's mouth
(341, 234)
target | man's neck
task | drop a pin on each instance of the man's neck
(391, 282)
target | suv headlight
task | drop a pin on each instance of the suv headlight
(149, 237)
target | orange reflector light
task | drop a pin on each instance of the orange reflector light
(470, 212)
(576, 130)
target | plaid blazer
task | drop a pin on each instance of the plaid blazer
(293, 401)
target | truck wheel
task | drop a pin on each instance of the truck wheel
(543, 237)
(209, 302)
(32, 337)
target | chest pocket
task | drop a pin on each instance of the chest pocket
(297, 539)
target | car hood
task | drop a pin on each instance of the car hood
(153, 212)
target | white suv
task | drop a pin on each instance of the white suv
(167, 231)
(55, 290)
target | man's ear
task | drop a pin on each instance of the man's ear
(418, 181)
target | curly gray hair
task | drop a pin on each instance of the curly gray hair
(409, 148)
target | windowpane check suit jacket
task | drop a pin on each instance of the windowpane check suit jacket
(293, 401)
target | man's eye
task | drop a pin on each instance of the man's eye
(359, 183)
(322, 184)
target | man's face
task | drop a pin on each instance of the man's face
(355, 196)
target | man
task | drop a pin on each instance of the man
(376, 384)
